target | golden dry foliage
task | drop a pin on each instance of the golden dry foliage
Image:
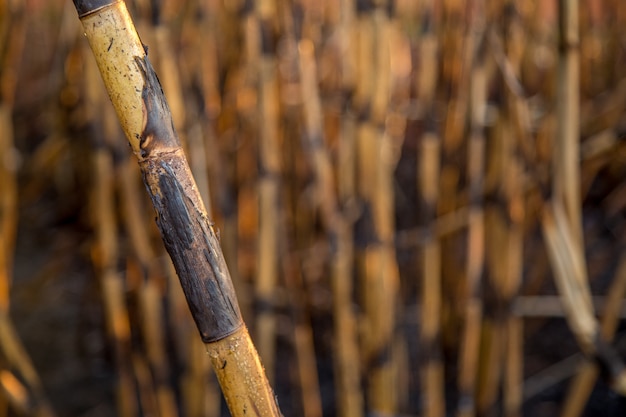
(421, 205)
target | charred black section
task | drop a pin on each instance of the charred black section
(185, 229)
(158, 130)
(85, 7)
(193, 247)
(178, 221)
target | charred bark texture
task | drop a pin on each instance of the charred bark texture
(181, 217)
(158, 134)
(84, 7)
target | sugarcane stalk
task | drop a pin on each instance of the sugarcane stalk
(291, 266)
(269, 183)
(432, 371)
(566, 166)
(428, 177)
(566, 179)
(186, 230)
(470, 341)
(514, 136)
(347, 367)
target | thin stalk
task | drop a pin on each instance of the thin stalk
(346, 177)
(504, 232)
(186, 230)
(513, 371)
(269, 182)
(375, 164)
(566, 150)
(561, 217)
(346, 361)
(428, 176)
(291, 263)
(470, 342)
(382, 294)
(371, 89)
(430, 336)
(515, 135)
(562, 221)
(393, 136)
(452, 97)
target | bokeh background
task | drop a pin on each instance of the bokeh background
(422, 205)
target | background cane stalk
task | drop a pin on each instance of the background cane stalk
(338, 228)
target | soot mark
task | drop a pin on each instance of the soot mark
(186, 233)
(178, 216)
(158, 127)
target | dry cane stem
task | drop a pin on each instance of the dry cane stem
(562, 221)
(512, 189)
(181, 217)
(346, 362)
(567, 170)
(432, 377)
(308, 377)
(470, 344)
(382, 270)
(269, 184)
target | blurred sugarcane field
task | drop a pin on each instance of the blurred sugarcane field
(421, 204)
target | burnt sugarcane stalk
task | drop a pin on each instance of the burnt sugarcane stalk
(186, 230)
